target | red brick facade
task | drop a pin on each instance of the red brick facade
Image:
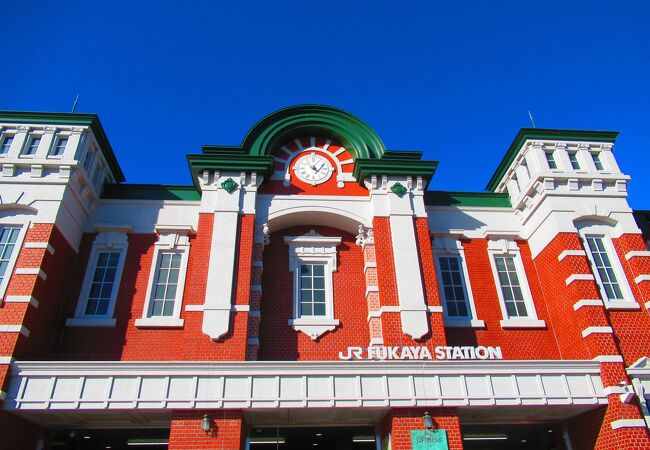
(188, 369)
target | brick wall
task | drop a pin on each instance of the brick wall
(278, 341)
(592, 430)
(515, 343)
(125, 341)
(631, 327)
(227, 431)
(17, 433)
(39, 316)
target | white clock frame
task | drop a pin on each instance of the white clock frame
(313, 154)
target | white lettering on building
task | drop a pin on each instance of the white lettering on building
(381, 352)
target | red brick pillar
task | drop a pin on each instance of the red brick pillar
(366, 240)
(400, 422)
(387, 283)
(432, 295)
(227, 432)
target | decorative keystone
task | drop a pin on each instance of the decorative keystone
(399, 189)
(229, 185)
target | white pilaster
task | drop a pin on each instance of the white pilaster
(226, 207)
(401, 212)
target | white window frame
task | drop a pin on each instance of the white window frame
(3, 137)
(23, 225)
(111, 239)
(549, 155)
(508, 247)
(605, 232)
(595, 156)
(171, 239)
(450, 247)
(55, 143)
(28, 144)
(312, 248)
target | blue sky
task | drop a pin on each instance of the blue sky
(452, 79)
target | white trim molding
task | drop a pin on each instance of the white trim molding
(597, 330)
(579, 277)
(172, 240)
(640, 278)
(628, 423)
(127, 385)
(451, 249)
(14, 329)
(587, 302)
(634, 253)
(609, 359)
(566, 253)
(45, 245)
(22, 225)
(22, 299)
(522, 323)
(602, 233)
(508, 248)
(31, 271)
(107, 241)
(312, 248)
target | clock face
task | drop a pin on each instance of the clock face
(313, 169)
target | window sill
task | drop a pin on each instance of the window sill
(522, 323)
(105, 322)
(159, 322)
(314, 327)
(623, 305)
(463, 323)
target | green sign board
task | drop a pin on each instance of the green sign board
(429, 440)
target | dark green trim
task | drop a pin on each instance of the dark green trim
(150, 192)
(545, 134)
(90, 120)
(316, 120)
(394, 166)
(488, 199)
(226, 159)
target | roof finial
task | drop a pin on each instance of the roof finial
(74, 105)
(531, 119)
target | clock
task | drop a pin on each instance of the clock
(313, 168)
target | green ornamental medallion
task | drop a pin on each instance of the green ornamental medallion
(398, 189)
(229, 185)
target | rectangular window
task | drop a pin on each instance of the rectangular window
(312, 290)
(550, 160)
(88, 162)
(513, 296)
(164, 290)
(453, 286)
(8, 237)
(6, 143)
(597, 162)
(573, 157)
(102, 284)
(604, 270)
(59, 147)
(32, 146)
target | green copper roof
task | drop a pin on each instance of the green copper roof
(487, 199)
(315, 120)
(150, 192)
(368, 152)
(545, 134)
(55, 118)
